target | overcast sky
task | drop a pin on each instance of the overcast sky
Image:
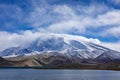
(22, 20)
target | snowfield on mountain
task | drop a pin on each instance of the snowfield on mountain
(66, 45)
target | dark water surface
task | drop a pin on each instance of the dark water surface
(33, 74)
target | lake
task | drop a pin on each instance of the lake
(34, 74)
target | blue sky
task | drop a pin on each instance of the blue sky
(99, 19)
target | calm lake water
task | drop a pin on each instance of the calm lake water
(32, 74)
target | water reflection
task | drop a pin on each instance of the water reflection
(31, 74)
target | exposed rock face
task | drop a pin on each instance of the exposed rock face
(58, 61)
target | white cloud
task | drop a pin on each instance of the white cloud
(43, 16)
(114, 31)
(14, 39)
(65, 19)
(117, 2)
(23, 39)
(6, 40)
(113, 46)
(65, 27)
(112, 17)
(81, 23)
(59, 19)
(93, 9)
(64, 10)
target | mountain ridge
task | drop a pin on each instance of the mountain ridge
(68, 44)
(61, 51)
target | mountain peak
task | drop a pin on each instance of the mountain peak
(69, 45)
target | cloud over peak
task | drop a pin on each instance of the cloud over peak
(89, 18)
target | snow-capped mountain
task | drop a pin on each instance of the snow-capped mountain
(67, 45)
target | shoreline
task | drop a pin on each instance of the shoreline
(45, 68)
